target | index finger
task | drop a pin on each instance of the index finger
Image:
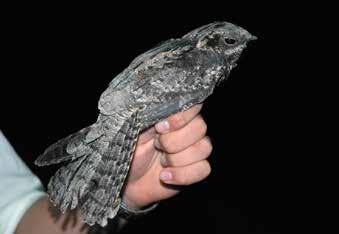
(178, 120)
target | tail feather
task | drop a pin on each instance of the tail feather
(70, 147)
(117, 160)
(93, 181)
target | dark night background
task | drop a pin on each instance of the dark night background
(58, 63)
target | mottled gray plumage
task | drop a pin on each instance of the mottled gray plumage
(167, 79)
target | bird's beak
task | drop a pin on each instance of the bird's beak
(249, 37)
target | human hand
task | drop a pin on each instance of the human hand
(168, 156)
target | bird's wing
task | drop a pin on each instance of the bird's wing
(170, 45)
(181, 82)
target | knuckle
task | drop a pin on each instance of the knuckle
(208, 146)
(178, 120)
(202, 125)
(167, 144)
(205, 170)
(205, 146)
(189, 176)
(208, 168)
(183, 178)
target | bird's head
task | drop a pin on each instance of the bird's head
(222, 37)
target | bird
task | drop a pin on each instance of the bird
(171, 77)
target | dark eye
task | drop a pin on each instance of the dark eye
(230, 41)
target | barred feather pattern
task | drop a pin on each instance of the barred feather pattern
(93, 182)
(166, 79)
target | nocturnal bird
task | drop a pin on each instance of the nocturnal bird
(167, 79)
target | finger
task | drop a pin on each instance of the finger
(147, 135)
(186, 175)
(142, 160)
(178, 120)
(174, 142)
(195, 153)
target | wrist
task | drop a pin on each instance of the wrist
(132, 204)
(128, 213)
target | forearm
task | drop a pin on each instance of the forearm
(43, 218)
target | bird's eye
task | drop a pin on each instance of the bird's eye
(229, 40)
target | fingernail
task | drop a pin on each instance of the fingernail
(162, 126)
(165, 175)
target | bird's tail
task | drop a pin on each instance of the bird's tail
(100, 158)
(71, 147)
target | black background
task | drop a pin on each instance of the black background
(57, 63)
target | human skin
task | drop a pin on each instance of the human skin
(173, 152)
